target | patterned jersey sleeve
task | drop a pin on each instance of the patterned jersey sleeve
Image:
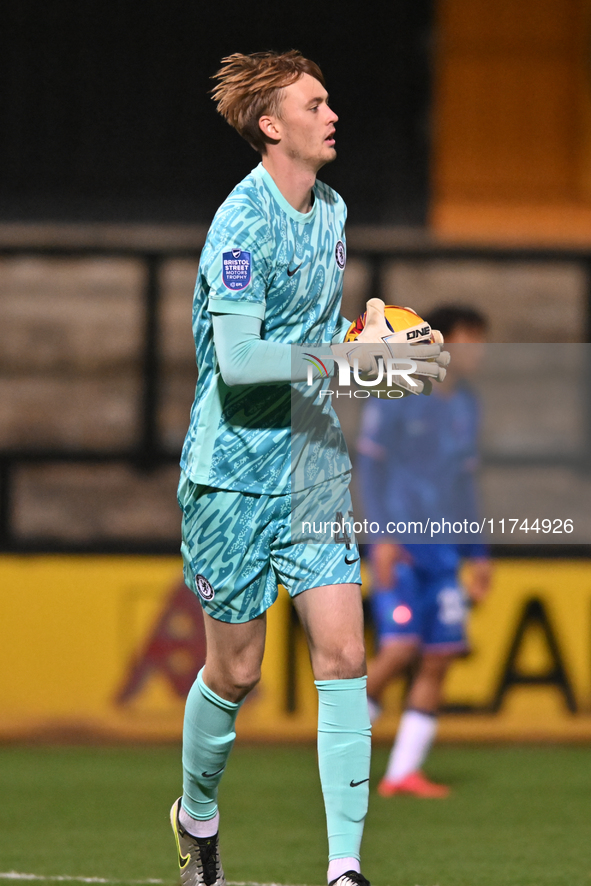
(235, 264)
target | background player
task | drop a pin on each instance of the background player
(410, 456)
(270, 276)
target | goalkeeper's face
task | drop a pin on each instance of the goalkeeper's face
(304, 131)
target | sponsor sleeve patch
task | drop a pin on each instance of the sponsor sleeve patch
(236, 269)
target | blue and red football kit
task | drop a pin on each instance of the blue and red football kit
(416, 459)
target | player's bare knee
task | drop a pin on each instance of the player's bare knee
(232, 681)
(244, 677)
(341, 663)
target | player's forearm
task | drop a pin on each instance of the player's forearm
(245, 358)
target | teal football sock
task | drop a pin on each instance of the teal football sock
(344, 751)
(208, 736)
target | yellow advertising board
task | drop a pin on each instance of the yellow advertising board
(108, 646)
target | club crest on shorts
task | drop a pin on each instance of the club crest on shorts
(204, 589)
(340, 254)
(236, 269)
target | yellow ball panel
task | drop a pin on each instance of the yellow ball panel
(398, 319)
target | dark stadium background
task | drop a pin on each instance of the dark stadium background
(106, 114)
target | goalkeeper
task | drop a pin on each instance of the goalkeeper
(267, 300)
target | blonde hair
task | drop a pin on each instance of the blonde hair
(251, 85)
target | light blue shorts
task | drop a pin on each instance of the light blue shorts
(237, 547)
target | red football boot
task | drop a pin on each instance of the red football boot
(415, 784)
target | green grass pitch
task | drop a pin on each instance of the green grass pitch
(519, 816)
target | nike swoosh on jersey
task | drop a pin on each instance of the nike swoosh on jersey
(355, 784)
(290, 273)
(348, 562)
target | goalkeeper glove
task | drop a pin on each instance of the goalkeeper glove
(413, 365)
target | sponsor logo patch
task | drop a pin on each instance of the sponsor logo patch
(204, 589)
(340, 254)
(236, 269)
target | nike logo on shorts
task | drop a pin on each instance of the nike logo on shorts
(349, 562)
(290, 273)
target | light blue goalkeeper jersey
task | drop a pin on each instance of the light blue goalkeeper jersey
(265, 259)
